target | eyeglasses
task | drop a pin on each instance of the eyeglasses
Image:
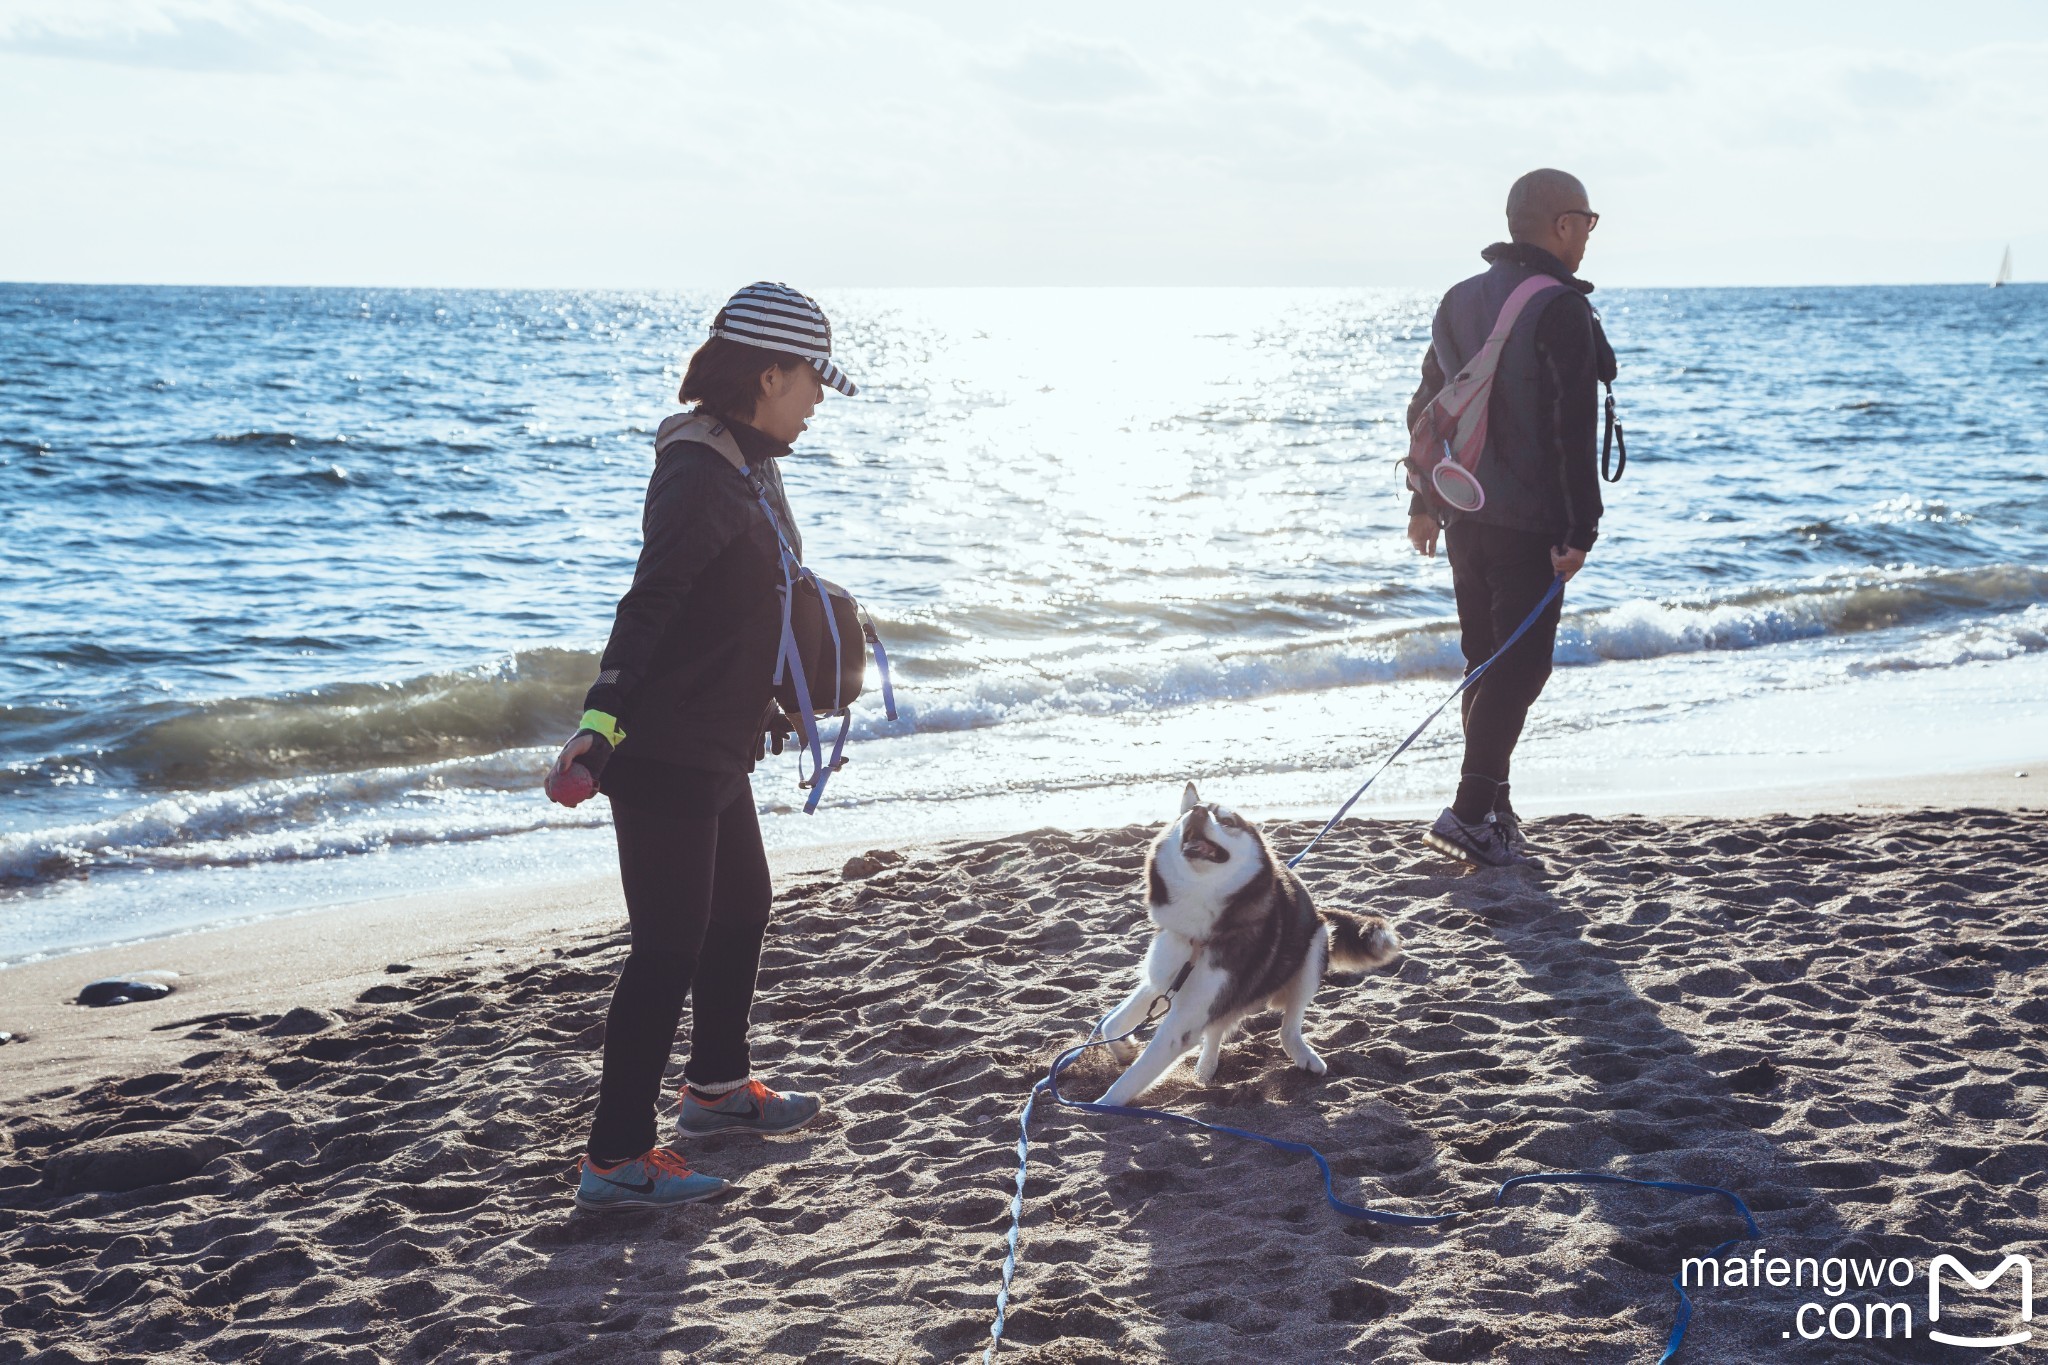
(1592, 218)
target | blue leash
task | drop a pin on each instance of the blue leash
(1051, 1086)
(1556, 587)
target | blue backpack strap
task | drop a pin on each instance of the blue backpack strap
(824, 769)
(788, 656)
(867, 627)
(805, 719)
(832, 627)
(838, 749)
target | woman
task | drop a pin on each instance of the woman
(671, 729)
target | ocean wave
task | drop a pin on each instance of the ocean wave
(1136, 680)
(298, 819)
(520, 700)
(286, 440)
(2024, 632)
(1836, 606)
(526, 699)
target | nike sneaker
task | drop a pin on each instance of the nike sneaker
(753, 1108)
(654, 1181)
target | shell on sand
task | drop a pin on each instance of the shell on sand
(1841, 1019)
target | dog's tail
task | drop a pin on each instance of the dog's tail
(1359, 943)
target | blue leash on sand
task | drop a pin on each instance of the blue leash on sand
(1556, 587)
(1051, 1086)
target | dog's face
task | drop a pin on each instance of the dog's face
(1210, 847)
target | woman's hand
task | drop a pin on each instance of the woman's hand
(1422, 533)
(571, 783)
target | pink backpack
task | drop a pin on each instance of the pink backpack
(1444, 447)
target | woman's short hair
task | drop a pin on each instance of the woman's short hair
(724, 376)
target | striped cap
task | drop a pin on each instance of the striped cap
(778, 318)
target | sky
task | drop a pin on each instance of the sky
(635, 144)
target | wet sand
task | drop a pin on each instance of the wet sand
(1840, 1017)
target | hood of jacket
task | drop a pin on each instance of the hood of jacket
(1535, 258)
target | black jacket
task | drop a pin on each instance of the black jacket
(1571, 359)
(688, 667)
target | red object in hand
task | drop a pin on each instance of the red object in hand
(571, 785)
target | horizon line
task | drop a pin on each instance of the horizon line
(813, 284)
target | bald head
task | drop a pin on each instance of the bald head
(1537, 199)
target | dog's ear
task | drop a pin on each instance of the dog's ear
(1189, 799)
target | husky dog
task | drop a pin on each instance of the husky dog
(1242, 926)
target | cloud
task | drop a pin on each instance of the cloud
(1076, 142)
(1481, 70)
(1889, 88)
(1071, 73)
(233, 36)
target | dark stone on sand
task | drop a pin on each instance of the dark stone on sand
(869, 863)
(396, 967)
(116, 990)
(1759, 1078)
(301, 1020)
(130, 1161)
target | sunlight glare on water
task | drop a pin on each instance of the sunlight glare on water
(310, 582)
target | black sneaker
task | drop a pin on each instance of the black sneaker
(1482, 844)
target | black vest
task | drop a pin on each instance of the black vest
(1524, 485)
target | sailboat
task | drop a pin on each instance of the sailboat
(2004, 275)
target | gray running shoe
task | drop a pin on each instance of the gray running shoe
(753, 1108)
(658, 1180)
(1482, 844)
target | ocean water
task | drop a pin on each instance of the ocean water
(302, 587)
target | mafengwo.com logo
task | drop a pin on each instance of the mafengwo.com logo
(1864, 1299)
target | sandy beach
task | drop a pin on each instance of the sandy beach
(351, 1135)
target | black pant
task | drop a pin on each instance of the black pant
(1499, 575)
(696, 883)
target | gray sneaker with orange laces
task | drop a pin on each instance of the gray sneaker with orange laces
(753, 1108)
(658, 1180)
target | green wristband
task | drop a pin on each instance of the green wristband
(599, 723)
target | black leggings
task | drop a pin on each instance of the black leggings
(696, 883)
(1499, 575)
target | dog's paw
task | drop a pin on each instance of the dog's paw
(1308, 1061)
(1125, 1052)
(1206, 1068)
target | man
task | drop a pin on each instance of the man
(1540, 472)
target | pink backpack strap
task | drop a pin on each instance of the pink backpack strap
(1464, 400)
(1517, 301)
